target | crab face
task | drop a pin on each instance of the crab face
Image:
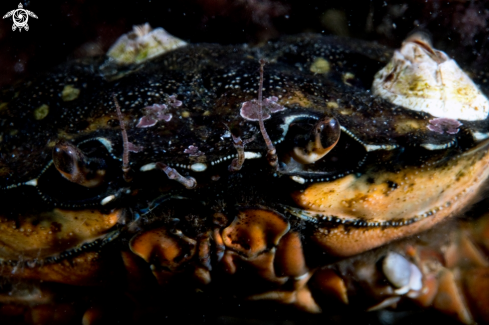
(179, 163)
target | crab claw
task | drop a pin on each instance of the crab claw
(323, 137)
(76, 167)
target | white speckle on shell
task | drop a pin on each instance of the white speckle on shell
(107, 199)
(431, 146)
(298, 179)
(198, 167)
(252, 155)
(147, 167)
(374, 147)
(32, 182)
(143, 43)
(421, 78)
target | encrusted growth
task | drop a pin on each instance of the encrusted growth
(128, 146)
(442, 125)
(158, 112)
(193, 151)
(239, 144)
(259, 110)
(188, 182)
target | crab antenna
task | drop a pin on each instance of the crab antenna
(272, 153)
(125, 142)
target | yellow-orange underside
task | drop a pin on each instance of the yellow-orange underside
(418, 190)
(52, 232)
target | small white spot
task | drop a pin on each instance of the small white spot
(226, 134)
(198, 167)
(298, 179)
(32, 182)
(479, 136)
(107, 144)
(252, 155)
(107, 199)
(374, 147)
(431, 146)
(147, 167)
(300, 277)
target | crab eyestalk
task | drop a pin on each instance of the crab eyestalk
(324, 137)
(76, 167)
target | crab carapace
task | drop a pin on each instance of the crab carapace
(148, 172)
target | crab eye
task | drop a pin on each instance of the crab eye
(76, 167)
(315, 144)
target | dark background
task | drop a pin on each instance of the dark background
(70, 29)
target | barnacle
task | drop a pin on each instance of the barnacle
(142, 44)
(424, 79)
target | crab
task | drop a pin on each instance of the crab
(269, 173)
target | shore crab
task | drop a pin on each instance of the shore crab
(289, 172)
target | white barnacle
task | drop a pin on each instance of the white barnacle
(424, 79)
(143, 43)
